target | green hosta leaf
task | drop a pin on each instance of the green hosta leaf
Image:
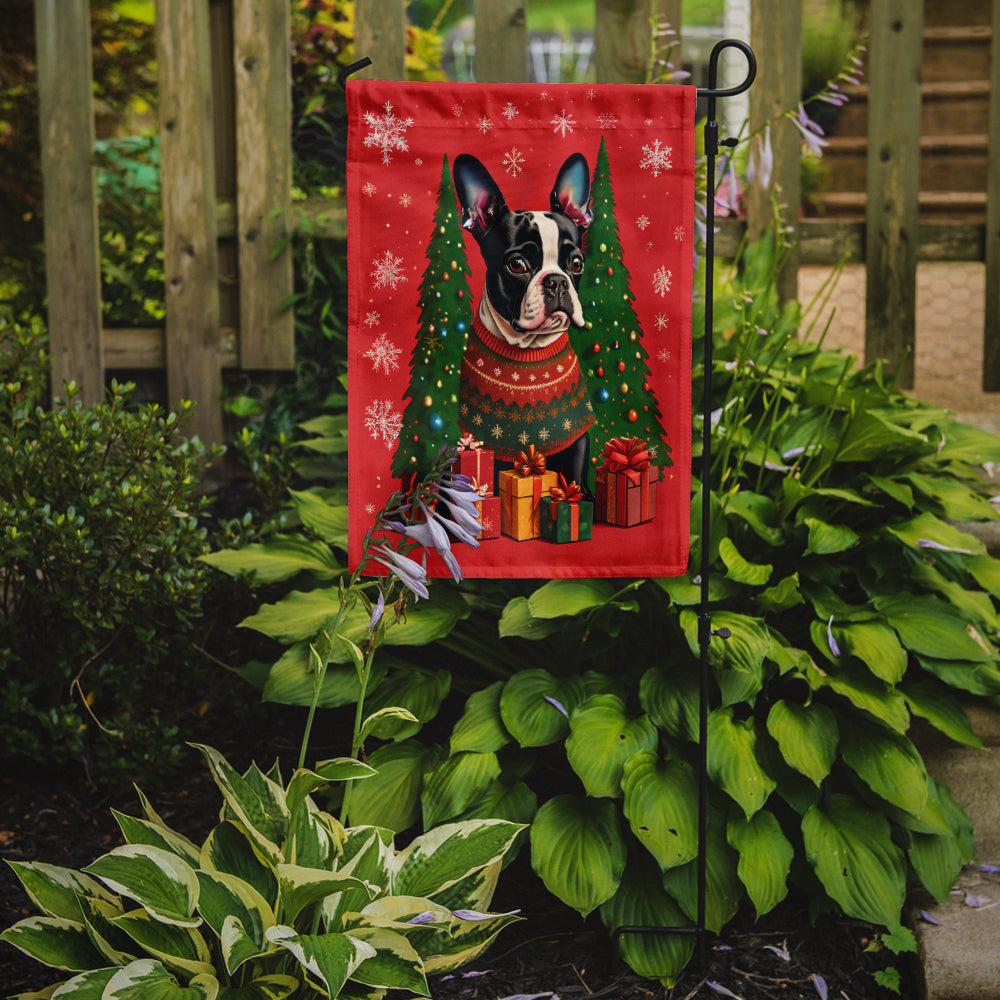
(783, 595)
(893, 488)
(927, 528)
(147, 979)
(937, 859)
(732, 760)
(578, 851)
(327, 520)
(54, 941)
(758, 511)
(975, 605)
(683, 592)
(275, 987)
(387, 723)
(230, 849)
(641, 901)
(481, 728)
(828, 539)
(723, 889)
(738, 661)
(292, 680)
(965, 443)
(876, 646)
(260, 809)
(661, 799)
(141, 831)
(391, 798)
(517, 620)
(515, 803)
(330, 959)
(671, 699)
(751, 574)
(957, 501)
(986, 572)
(865, 692)
(438, 859)
(279, 558)
(888, 763)
(602, 738)
(417, 690)
(850, 848)
(941, 709)
(56, 891)
(301, 887)
(395, 964)
(180, 948)
(559, 598)
(535, 706)
(931, 628)
(159, 881)
(765, 858)
(807, 736)
(869, 436)
(976, 678)
(226, 898)
(456, 784)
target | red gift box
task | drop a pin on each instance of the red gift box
(474, 461)
(625, 493)
(489, 517)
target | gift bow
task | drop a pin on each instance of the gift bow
(627, 455)
(530, 462)
(468, 443)
(482, 489)
(565, 491)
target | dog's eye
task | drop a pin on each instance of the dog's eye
(576, 264)
(517, 265)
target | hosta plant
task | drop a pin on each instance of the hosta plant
(279, 900)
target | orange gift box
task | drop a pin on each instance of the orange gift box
(521, 503)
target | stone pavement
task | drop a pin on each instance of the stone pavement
(959, 955)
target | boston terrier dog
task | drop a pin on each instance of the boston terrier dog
(521, 381)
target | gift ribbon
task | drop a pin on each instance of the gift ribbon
(565, 491)
(482, 489)
(627, 455)
(468, 443)
(530, 462)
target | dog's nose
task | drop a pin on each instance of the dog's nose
(555, 284)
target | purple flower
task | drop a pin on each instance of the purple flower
(558, 705)
(761, 163)
(834, 648)
(377, 611)
(811, 132)
(820, 983)
(427, 917)
(927, 543)
(475, 915)
(411, 574)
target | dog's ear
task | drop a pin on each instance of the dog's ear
(571, 193)
(481, 200)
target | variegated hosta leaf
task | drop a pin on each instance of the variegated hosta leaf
(256, 801)
(456, 784)
(54, 941)
(476, 890)
(765, 858)
(807, 736)
(661, 800)
(602, 737)
(274, 987)
(230, 849)
(467, 940)
(99, 915)
(301, 887)
(56, 891)
(367, 853)
(315, 838)
(304, 782)
(732, 760)
(535, 706)
(578, 851)
(177, 947)
(225, 897)
(888, 763)
(141, 831)
(642, 902)
(328, 959)
(158, 880)
(850, 847)
(481, 727)
(147, 979)
(441, 857)
(86, 986)
(395, 964)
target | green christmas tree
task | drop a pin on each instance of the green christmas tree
(610, 347)
(431, 415)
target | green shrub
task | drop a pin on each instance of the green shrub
(101, 584)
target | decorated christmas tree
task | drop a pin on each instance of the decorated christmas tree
(431, 415)
(610, 347)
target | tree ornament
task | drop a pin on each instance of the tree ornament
(623, 388)
(603, 395)
(600, 371)
(428, 401)
(632, 416)
(435, 422)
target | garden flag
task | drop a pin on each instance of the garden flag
(520, 267)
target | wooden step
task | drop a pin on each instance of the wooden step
(956, 53)
(958, 206)
(946, 105)
(945, 12)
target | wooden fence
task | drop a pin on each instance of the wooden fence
(226, 161)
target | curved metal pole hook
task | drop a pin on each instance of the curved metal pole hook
(353, 68)
(712, 91)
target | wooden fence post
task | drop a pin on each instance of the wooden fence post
(991, 331)
(501, 41)
(190, 251)
(776, 36)
(892, 215)
(72, 255)
(262, 61)
(622, 40)
(380, 34)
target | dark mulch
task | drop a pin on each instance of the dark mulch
(551, 951)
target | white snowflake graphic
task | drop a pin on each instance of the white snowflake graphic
(369, 189)
(418, 162)
(513, 161)
(383, 354)
(372, 319)
(497, 431)
(608, 121)
(516, 376)
(387, 270)
(648, 122)
(679, 234)
(567, 424)
(369, 508)
(477, 419)
(382, 421)
(661, 281)
(405, 201)
(388, 132)
(496, 371)
(523, 437)
(544, 433)
(563, 123)
(591, 94)
(661, 321)
(656, 157)
(457, 110)
(642, 222)
(664, 355)
(510, 112)
(544, 95)
(484, 125)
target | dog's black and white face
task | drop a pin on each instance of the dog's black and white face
(534, 259)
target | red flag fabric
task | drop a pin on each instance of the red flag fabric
(520, 280)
